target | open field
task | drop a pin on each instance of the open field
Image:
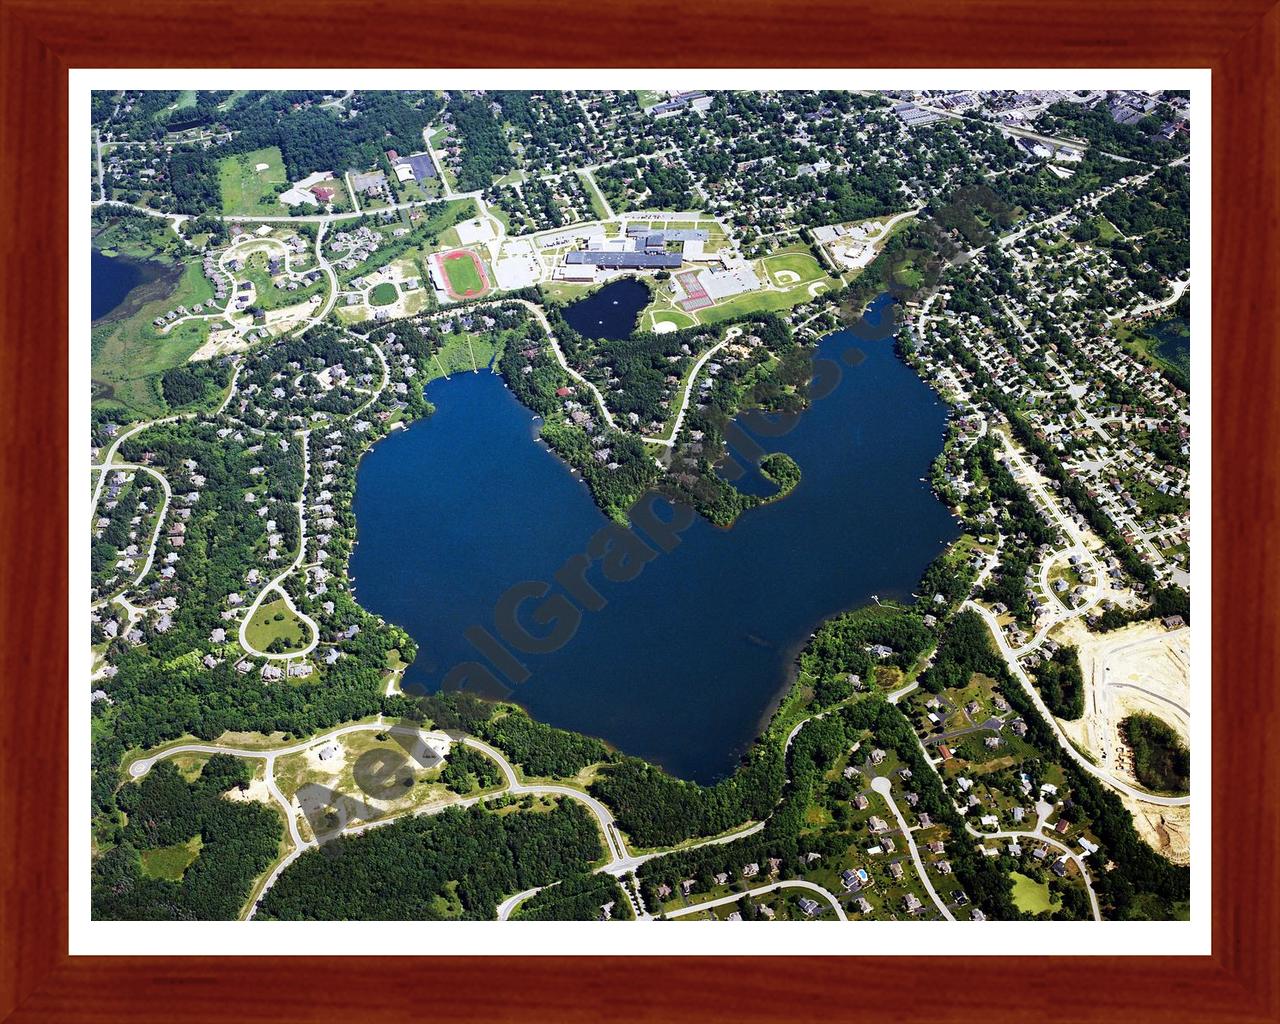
(413, 785)
(791, 267)
(275, 621)
(764, 301)
(247, 187)
(1030, 896)
(462, 353)
(383, 294)
(678, 320)
(564, 291)
(171, 862)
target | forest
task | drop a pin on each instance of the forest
(1060, 683)
(577, 898)
(236, 842)
(460, 863)
(1161, 761)
(485, 154)
(1136, 141)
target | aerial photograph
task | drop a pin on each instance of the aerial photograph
(638, 505)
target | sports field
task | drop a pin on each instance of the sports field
(464, 274)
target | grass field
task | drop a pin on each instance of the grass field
(276, 621)
(906, 274)
(170, 862)
(1029, 896)
(671, 316)
(564, 291)
(760, 302)
(383, 294)
(462, 353)
(463, 273)
(649, 98)
(245, 189)
(266, 294)
(593, 193)
(129, 355)
(798, 262)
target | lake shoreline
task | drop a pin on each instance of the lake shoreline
(695, 701)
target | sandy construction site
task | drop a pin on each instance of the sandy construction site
(1143, 667)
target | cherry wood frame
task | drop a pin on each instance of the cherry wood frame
(1238, 39)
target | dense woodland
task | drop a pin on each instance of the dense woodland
(577, 898)
(1161, 761)
(455, 864)
(1060, 683)
(237, 842)
(485, 154)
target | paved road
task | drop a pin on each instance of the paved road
(882, 786)
(276, 584)
(1020, 674)
(1056, 844)
(511, 902)
(795, 883)
(564, 364)
(669, 442)
(155, 534)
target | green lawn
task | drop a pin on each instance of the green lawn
(383, 294)
(798, 262)
(245, 189)
(463, 276)
(671, 316)
(593, 193)
(1029, 896)
(170, 862)
(462, 353)
(906, 274)
(564, 291)
(276, 621)
(649, 98)
(1106, 230)
(759, 302)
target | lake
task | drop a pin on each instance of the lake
(115, 280)
(611, 312)
(684, 662)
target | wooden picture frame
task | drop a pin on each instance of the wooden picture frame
(41, 40)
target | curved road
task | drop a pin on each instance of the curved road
(276, 583)
(795, 883)
(670, 441)
(1020, 674)
(882, 786)
(564, 364)
(1049, 841)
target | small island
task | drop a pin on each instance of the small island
(781, 469)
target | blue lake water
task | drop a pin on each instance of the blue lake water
(610, 312)
(685, 660)
(114, 278)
